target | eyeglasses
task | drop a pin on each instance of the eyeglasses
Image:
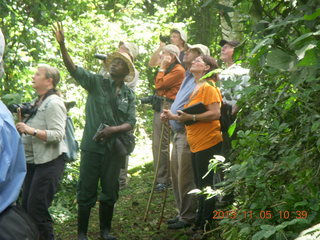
(198, 60)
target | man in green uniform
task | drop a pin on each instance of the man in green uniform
(110, 102)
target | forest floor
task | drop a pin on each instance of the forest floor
(128, 222)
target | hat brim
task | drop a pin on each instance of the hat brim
(222, 42)
(233, 43)
(202, 50)
(114, 55)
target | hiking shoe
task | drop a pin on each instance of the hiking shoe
(179, 225)
(173, 220)
(160, 187)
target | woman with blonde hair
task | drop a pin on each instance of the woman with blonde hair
(43, 138)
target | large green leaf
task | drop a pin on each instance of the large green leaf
(302, 37)
(232, 128)
(264, 42)
(266, 232)
(302, 51)
(280, 60)
(312, 16)
(282, 23)
(311, 58)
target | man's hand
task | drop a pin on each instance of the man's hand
(104, 134)
(58, 32)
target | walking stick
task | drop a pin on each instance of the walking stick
(164, 196)
(157, 169)
(19, 114)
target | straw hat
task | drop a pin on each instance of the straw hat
(125, 57)
(173, 49)
(202, 48)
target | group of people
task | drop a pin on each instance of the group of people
(179, 84)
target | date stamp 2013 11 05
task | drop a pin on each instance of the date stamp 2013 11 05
(263, 214)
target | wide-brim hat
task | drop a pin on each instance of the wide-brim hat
(173, 49)
(233, 43)
(125, 57)
(132, 48)
(202, 48)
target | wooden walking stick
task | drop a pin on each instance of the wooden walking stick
(19, 114)
(157, 169)
(164, 194)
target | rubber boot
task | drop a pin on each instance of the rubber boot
(105, 216)
(83, 220)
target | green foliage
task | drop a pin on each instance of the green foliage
(275, 156)
(274, 163)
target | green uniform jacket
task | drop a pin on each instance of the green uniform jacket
(99, 110)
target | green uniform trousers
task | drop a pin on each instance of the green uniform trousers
(95, 167)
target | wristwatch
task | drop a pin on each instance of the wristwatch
(35, 132)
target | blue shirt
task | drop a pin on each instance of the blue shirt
(182, 98)
(12, 160)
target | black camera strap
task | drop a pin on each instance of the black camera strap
(36, 106)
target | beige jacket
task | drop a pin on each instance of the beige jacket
(51, 116)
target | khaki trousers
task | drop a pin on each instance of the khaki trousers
(123, 173)
(183, 178)
(164, 165)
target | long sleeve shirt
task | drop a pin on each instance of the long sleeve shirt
(12, 160)
(182, 98)
(101, 91)
(233, 80)
(168, 84)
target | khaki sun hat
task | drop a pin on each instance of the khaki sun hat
(125, 57)
(171, 48)
(202, 48)
(132, 48)
(183, 34)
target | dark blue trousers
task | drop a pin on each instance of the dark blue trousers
(39, 187)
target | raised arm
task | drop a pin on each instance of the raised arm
(59, 34)
(155, 57)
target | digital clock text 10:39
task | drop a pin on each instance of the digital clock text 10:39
(263, 214)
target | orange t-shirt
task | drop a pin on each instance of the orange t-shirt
(203, 135)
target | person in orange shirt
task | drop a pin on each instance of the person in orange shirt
(167, 84)
(204, 135)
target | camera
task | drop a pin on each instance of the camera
(154, 100)
(101, 56)
(25, 108)
(147, 100)
(165, 39)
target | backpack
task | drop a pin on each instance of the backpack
(70, 141)
(15, 224)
